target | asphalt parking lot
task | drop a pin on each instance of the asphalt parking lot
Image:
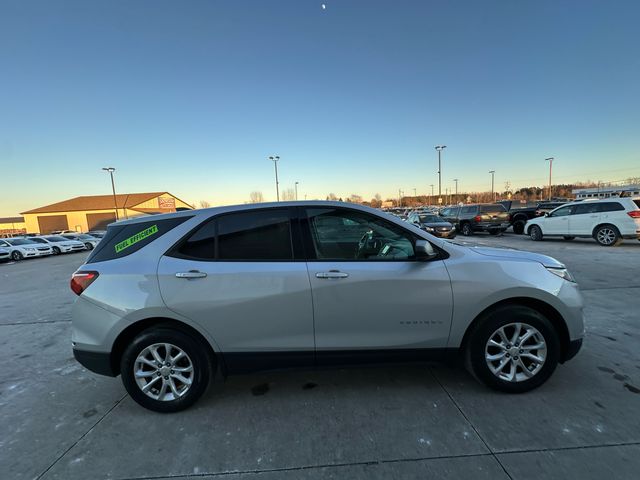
(59, 421)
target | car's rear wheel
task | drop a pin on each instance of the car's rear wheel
(513, 349)
(466, 229)
(608, 236)
(56, 250)
(17, 256)
(569, 237)
(535, 232)
(165, 370)
(89, 246)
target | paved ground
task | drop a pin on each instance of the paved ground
(59, 421)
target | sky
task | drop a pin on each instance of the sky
(192, 97)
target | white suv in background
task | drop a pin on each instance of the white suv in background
(608, 221)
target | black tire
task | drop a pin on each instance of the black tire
(518, 227)
(569, 237)
(607, 235)
(56, 250)
(490, 323)
(89, 246)
(196, 352)
(466, 229)
(535, 232)
(16, 256)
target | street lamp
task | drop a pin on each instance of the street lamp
(439, 148)
(550, 160)
(296, 185)
(113, 188)
(275, 159)
(431, 185)
(492, 172)
(456, 180)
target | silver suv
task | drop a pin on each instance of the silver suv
(169, 300)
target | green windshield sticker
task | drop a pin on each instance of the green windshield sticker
(153, 229)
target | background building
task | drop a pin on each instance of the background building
(95, 212)
(10, 226)
(606, 191)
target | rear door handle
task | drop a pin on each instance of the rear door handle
(191, 274)
(331, 275)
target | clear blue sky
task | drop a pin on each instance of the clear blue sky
(191, 97)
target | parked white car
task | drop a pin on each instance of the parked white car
(608, 221)
(89, 240)
(20, 248)
(60, 244)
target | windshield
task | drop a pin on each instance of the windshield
(19, 241)
(55, 238)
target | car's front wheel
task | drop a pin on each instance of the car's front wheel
(165, 370)
(535, 232)
(466, 230)
(518, 227)
(16, 256)
(56, 250)
(513, 349)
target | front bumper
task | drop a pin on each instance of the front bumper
(97, 362)
(572, 350)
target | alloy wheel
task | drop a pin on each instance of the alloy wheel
(515, 352)
(606, 236)
(163, 372)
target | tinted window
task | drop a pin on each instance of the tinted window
(431, 219)
(340, 234)
(586, 208)
(492, 208)
(123, 240)
(55, 238)
(259, 235)
(39, 240)
(252, 235)
(610, 207)
(467, 210)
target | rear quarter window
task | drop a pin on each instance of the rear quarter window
(123, 240)
(492, 208)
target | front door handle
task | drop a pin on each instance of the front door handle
(191, 274)
(331, 274)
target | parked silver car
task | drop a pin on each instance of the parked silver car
(24, 247)
(59, 244)
(169, 300)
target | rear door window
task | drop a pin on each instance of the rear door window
(257, 235)
(610, 207)
(492, 208)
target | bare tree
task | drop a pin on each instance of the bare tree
(288, 194)
(256, 197)
(332, 197)
(353, 198)
(204, 204)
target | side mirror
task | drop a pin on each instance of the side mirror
(546, 214)
(424, 250)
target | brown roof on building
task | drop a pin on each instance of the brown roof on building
(97, 202)
(11, 220)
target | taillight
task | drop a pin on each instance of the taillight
(538, 213)
(477, 218)
(634, 213)
(81, 280)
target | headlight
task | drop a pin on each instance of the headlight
(562, 273)
(429, 229)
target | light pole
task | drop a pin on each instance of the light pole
(492, 172)
(550, 160)
(439, 148)
(456, 180)
(113, 188)
(431, 185)
(275, 159)
(297, 190)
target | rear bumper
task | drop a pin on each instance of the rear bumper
(97, 362)
(485, 227)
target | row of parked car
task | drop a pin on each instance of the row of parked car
(608, 221)
(30, 246)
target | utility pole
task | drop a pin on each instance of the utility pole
(297, 190)
(431, 197)
(275, 159)
(492, 172)
(456, 180)
(439, 148)
(113, 188)
(550, 160)
(399, 198)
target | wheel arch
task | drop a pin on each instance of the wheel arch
(595, 229)
(548, 311)
(129, 333)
